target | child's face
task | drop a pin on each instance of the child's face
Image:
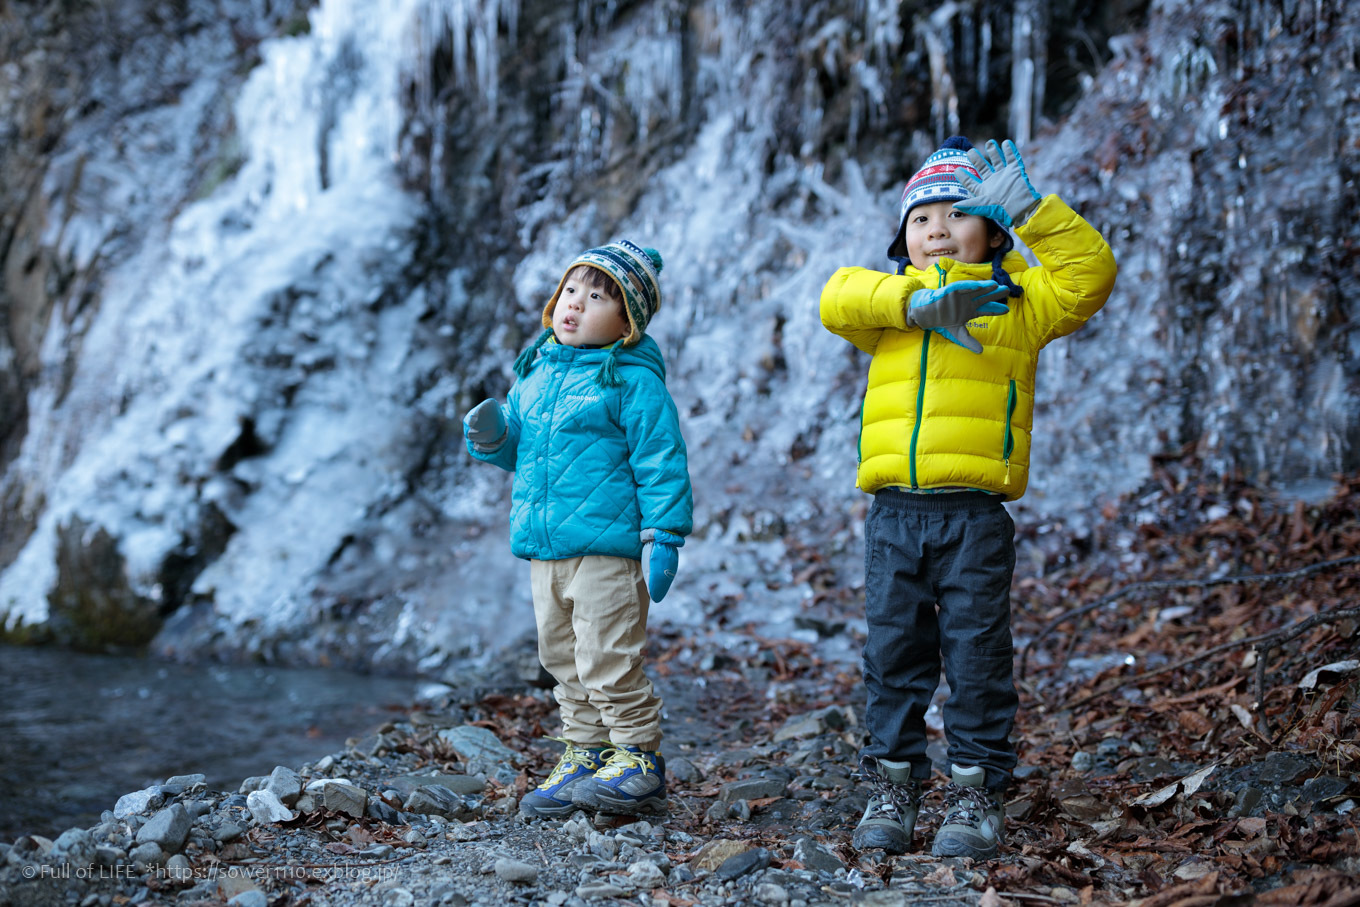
(936, 231)
(585, 316)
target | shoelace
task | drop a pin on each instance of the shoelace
(622, 760)
(575, 757)
(893, 798)
(965, 805)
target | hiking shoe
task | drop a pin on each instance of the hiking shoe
(552, 798)
(632, 783)
(973, 817)
(889, 821)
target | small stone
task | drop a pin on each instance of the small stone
(398, 897)
(770, 893)
(344, 798)
(812, 724)
(683, 771)
(227, 831)
(252, 898)
(285, 784)
(148, 854)
(231, 884)
(253, 783)
(600, 890)
(379, 810)
(191, 783)
(167, 829)
(179, 867)
(1082, 761)
(105, 855)
(477, 744)
(436, 800)
(735, 867)
(137, 802)
(514, 871)
(75, 846)
(716, 852)
(815, 857)
(267, 808)
(752, 789)
(646, 875)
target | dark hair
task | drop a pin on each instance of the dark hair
(598, 280)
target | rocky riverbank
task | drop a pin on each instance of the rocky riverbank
(1187, 739)
(760, 753)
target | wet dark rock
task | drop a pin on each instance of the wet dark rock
(736, 866)
(1283, 768)
(1324, 787)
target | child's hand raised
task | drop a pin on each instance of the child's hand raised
(485, 426)
(946, 311)
(1004, 194)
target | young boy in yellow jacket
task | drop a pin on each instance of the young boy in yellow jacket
(955, 336)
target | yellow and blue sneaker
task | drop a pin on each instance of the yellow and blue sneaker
(632, 783)
(552, 798)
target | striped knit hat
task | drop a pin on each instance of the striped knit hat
(634, 270)
(934, 182)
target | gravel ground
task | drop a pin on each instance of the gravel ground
(424, 810)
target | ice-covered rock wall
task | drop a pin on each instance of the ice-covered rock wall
(249, 291)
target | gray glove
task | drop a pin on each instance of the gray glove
(946, 311)
(485, 426)
(1004, 194)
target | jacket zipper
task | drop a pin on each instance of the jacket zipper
(1008, 442)
(921, 391)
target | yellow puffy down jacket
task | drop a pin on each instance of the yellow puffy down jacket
(936, 415)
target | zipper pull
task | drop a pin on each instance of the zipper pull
(1007, 480)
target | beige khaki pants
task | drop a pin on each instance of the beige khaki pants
(592, 627)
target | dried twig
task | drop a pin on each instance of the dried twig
(1270, 640)
(1172, 584)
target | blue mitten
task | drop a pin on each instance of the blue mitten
(660, 560)
(485, 426)
(1004, 194)
(946, 310)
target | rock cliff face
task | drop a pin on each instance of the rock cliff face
(259, 256)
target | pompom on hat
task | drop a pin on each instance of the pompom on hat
(634, 270)
(935, 182)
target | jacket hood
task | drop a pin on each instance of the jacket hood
(643, 354)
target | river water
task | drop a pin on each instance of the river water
(78, 731)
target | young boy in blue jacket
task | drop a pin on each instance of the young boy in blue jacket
(601, 502)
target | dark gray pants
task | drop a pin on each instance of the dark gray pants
(955, 551)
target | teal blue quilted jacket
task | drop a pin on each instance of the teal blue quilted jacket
(593, 465)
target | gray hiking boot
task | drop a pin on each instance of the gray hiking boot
(889, 821)
(974, 821)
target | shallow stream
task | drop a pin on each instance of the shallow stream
(78, 731)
